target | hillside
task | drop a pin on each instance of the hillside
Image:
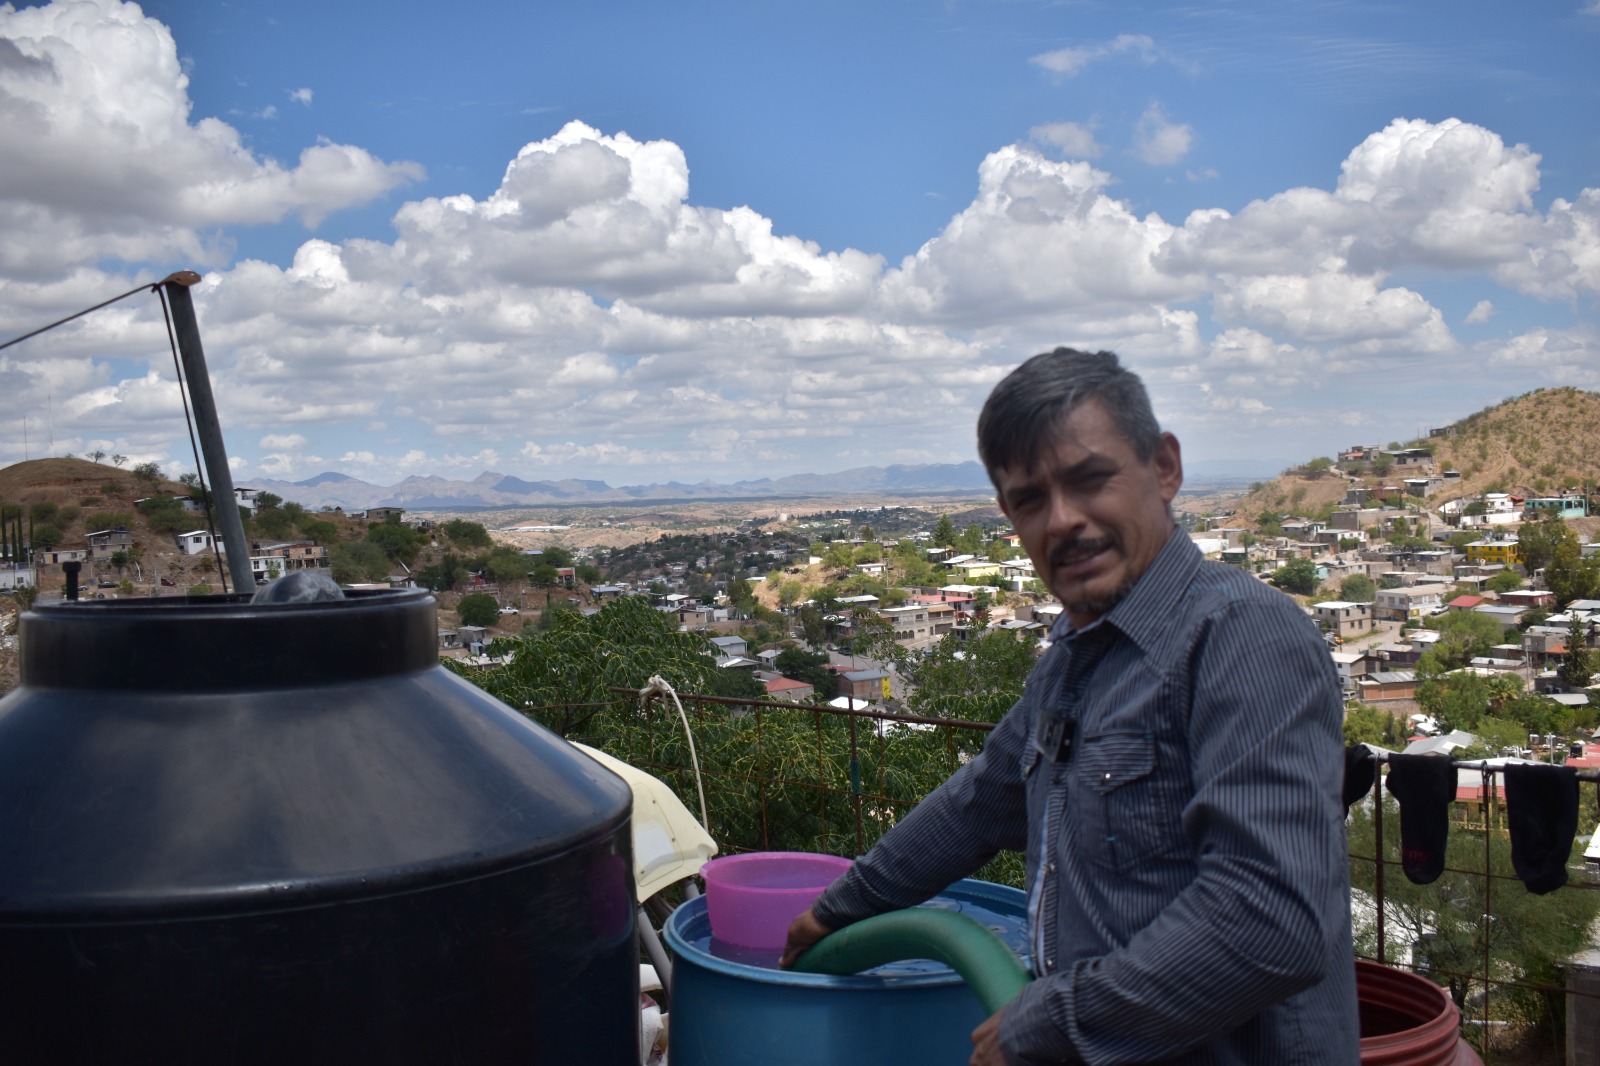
(1537, 443)
(87, 497)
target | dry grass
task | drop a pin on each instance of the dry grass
(1535, 444)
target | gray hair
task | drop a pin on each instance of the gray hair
(1030, 402)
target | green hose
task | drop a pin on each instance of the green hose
(971, 950)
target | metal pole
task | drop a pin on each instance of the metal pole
(230, 525)
(1377, 848)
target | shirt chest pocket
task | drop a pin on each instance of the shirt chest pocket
(1128, 806)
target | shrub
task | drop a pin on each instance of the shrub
(107, 520)
(478, 609)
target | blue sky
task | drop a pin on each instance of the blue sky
(642, 242)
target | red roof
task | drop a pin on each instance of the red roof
(1466, 601)
(785, 684)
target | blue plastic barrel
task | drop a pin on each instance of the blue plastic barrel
(725, 1010)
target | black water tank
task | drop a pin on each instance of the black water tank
(283, 834)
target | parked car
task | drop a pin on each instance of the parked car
(509, 610)
(106, 583)
(168, 582)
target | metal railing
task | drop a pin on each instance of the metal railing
(810, 777)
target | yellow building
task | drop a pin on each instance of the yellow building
(1503, 552)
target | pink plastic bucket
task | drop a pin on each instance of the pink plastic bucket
(751, 899)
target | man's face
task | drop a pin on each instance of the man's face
(1091, 515)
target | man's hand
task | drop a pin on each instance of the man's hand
(986, 1042)
(804, 931)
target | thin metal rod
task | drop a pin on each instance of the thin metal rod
(1488, 889)
(209, 428)
(653, 948)
(1377, 842)
(80, 314)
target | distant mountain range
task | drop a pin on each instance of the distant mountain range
(492, 490)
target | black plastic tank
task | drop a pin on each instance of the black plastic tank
(235, 833)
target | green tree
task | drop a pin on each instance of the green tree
(912, 565)
(578, 660)
(1366, 724)
(1298, 576)
(443, 575)
(1537, 541)
(399, 542)
(1504, 581)
(466, 534)
(1465, 636)
(506, 565)
(1578, 664)
(354, 562)
(971, 540)
(977, 680)
(1001, 552)
(544, 576)
(557, 556)
(26, 596)
(318, 530)
(810, 667)
(813, 628)
(740, 595)
(478, 609)
(944, 534)
(869, 553)
(1358, 588)
(1570, 576)
(272, 522)
(1460, 699)
(149, 473)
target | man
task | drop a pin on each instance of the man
(1172, 769)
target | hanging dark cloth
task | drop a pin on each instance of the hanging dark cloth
(1360, 768)
(1542, 812)
(1425, 785)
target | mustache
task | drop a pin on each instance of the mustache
(1078, 548)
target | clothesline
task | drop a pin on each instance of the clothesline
(1382, 755)
(1541, 809)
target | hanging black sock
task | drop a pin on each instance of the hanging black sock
(1425, 785)
(1542, 812)
(1359, 770)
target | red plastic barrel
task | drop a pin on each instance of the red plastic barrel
(1408, 1020)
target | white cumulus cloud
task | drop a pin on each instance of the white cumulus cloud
(1075, 141)
(1071, 61)
(1159, 142)
(111, 164)
(588, 317)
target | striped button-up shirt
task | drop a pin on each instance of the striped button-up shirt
(1173, 773)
